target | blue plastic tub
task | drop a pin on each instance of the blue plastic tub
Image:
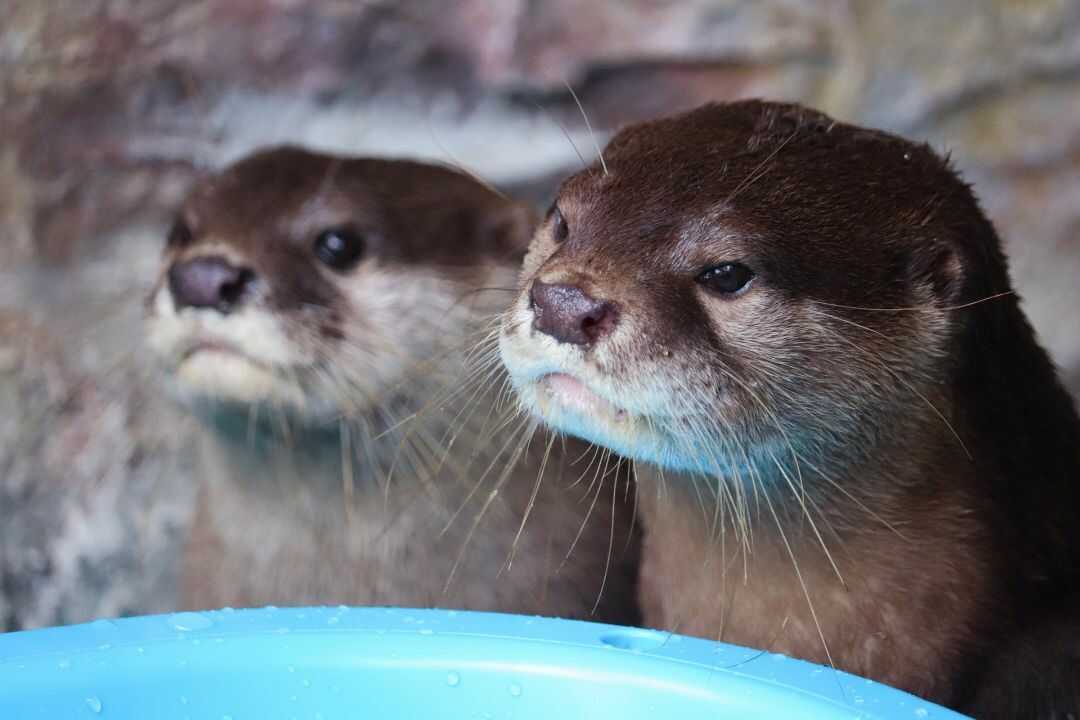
(331, 663)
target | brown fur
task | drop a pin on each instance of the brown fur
(316, 488)
(875, 390)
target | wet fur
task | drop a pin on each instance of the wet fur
(864, 459)
(354, 456)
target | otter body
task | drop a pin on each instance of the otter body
(851, 447)
(325, 319)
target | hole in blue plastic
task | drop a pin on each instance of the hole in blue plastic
(637, 640)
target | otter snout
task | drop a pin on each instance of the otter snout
(209, 282)
(569, 314)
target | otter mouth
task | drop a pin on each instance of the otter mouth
(209, 346)
(569, 393)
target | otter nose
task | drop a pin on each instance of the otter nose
(568, 314)
(209, 282)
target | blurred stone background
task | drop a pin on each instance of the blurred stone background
(109, 108)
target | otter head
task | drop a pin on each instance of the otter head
(320, 286)
(745, 284)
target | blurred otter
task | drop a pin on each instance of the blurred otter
(328, 320)
(860, 454)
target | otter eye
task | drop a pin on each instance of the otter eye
(726, 279)
(339, 248)
(559, 229)
(179, 235)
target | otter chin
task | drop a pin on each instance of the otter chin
(850, 446)
(328, 320)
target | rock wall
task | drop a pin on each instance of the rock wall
(109, 109)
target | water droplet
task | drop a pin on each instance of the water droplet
(305, 682)
(104, 646)
(427, 631)
(186, 621)
(318, 716)
(183, 700)
(270, 608)
(779, 656)
(343, 608)
(451, 613)
(94, 704)
(226, 717)
(515, 690)
(636, 640)
(922, 712)
(291, 668)
(453, 679)
(907, 156)
(64, 664)
(227, 609)
(334, 620)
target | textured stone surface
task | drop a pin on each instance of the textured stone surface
(109, 108)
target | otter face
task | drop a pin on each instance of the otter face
(725, 294)
(322, 285)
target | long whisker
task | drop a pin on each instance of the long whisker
(588, 126)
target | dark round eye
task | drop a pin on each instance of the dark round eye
(339, 248)
(559, 229)
(179, 235)
(726, 279)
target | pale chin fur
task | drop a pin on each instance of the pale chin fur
(533, 361)
(638, 426)
(245, 361)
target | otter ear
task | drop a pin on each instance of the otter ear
(940, 268)
(509, 229)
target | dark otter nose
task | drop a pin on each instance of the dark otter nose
(568, 314)
(209, 282)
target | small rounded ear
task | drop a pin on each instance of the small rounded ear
(941, 268)
(509, 229)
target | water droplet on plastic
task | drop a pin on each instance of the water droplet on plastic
(453, 679)
(94, 704)
(64, 664)
(187, 621)
(291, 668)
(227, 609)
(427, 631)
(226, 717)
(305, 682)
(779, 656)
(922, 712)
(343, 608)
(104, 646)
(515, 690)
(183, 700)
(635, 640)
(333, 620)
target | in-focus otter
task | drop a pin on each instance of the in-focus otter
(807, 328)
(308, 307)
